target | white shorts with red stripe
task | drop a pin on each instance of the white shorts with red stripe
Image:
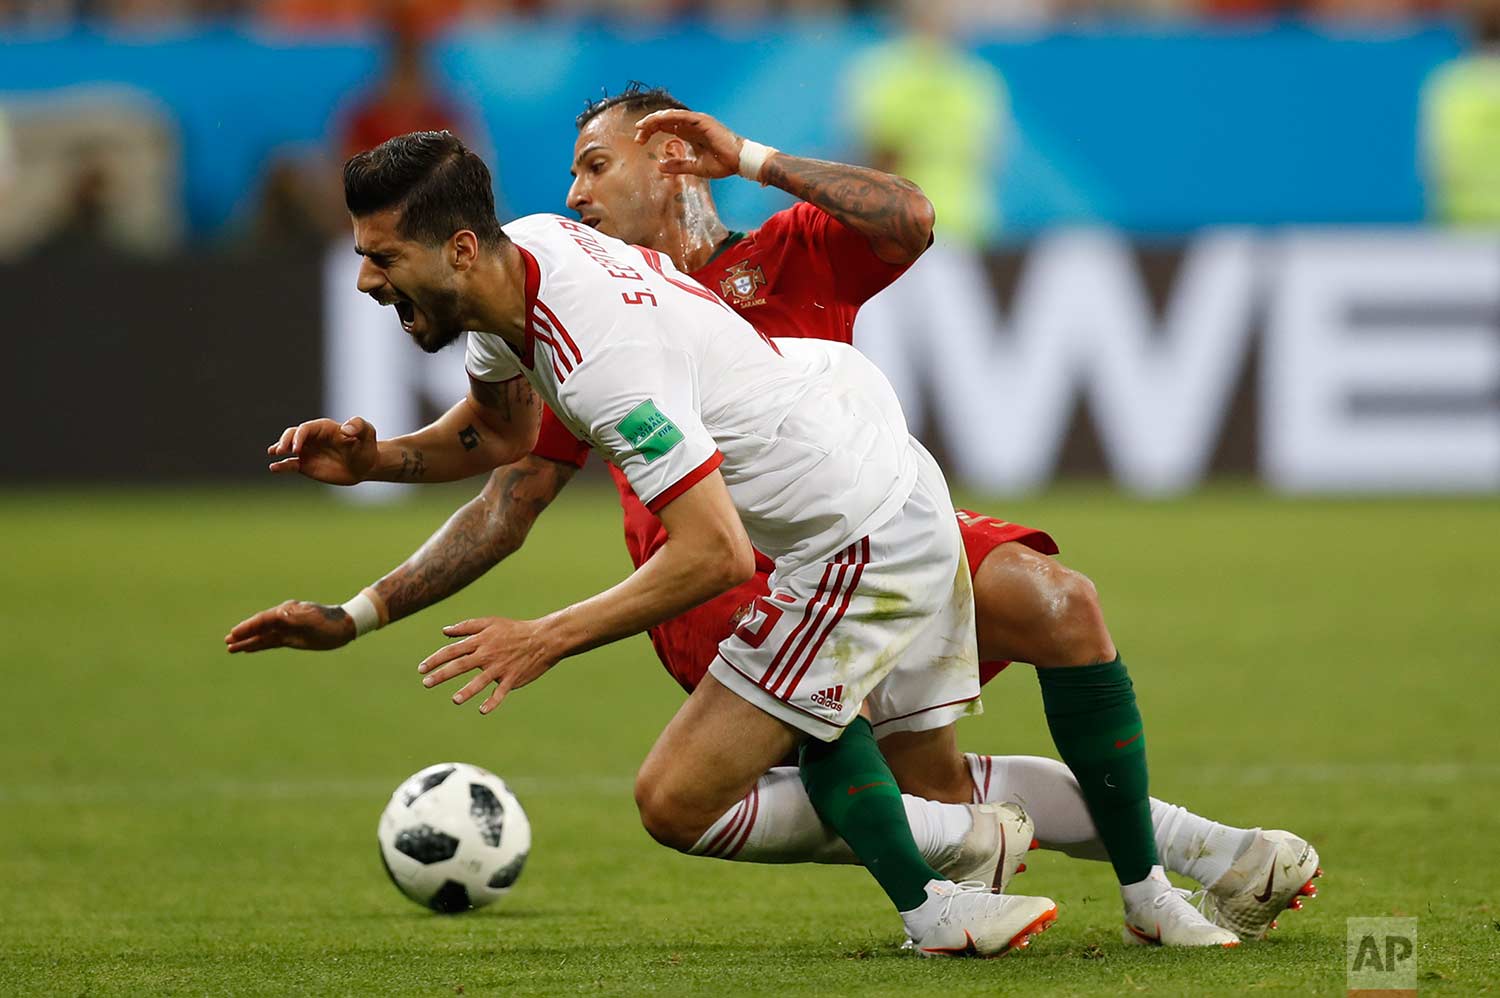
(888, 622)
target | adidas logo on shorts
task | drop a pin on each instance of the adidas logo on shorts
(830, 698)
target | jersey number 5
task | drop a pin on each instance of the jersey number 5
(638, 297)
(756, 636)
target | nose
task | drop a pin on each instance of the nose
(577, 195)
(371, 278)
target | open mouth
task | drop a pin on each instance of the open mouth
(406, 312)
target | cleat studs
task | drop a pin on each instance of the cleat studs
(1318, 872)
(1037, 844)
(1308, 890)
(1296, 904)
(1020, 867)
(1273, 923)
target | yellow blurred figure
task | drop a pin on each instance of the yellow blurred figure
(1461, 129)
(929, 111)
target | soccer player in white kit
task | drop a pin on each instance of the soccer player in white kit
(730, 439)
(868, 602)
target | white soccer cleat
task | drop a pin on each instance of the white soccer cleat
(992, 850)
(1169, 920)
(970, 919)
(1273, 875)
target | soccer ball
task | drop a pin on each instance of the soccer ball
(454, 837)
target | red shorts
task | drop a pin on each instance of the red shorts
(687, 644)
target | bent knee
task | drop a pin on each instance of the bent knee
(1078, 620)
(1075, 596)
(1068, 628)
(665, 816)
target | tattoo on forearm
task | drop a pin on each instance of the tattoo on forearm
(469, 437)
(332, 613)
(413, 466)
(881, 207)
(475, 539)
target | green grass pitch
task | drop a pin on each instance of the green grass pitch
(176, 821)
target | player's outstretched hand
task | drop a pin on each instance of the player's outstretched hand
(336, 453)
(718, 148)
(293, 624)
(508, 653)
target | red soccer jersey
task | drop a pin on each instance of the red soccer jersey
(801, 274)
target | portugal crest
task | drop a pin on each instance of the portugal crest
(741, 282)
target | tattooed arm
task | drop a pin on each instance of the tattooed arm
(494, 425)
(892, 213)
(485, 531)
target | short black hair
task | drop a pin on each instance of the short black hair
(635, 97)
(439, 184)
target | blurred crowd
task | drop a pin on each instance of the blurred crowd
(88, 169)
(325, 15)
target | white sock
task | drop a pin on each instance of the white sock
(1049, 793)
(1195, 846)
(776, 823)
(1186, 843)
(1146, 891)
(937, 828)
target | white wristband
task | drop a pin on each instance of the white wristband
(362, 610)
(753, 158)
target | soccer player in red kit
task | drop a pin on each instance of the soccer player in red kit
(642, 165)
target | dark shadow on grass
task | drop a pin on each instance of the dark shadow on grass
(413, 913)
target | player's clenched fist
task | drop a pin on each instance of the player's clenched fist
(332, 452)
(508, 653)
(718, 148)
(293, 624)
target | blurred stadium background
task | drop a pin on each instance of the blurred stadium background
(1216, 299)
(1239, 238)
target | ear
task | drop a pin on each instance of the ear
(463, 249)
(676, 147)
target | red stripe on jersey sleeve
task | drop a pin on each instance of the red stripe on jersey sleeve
(557, 325)
(686, 482)
(532, 288)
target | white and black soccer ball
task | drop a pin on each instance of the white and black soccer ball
(454, 837)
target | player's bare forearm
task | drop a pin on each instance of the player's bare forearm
(889, 211)
(493, 426)
(485, 531)
(673, 581)
(706, 554)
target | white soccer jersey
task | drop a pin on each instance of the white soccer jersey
(668, 383)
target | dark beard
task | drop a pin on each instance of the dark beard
(444, 325)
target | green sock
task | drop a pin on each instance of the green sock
(855, 794)
(1098, 732)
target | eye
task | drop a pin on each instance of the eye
(597, 166)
